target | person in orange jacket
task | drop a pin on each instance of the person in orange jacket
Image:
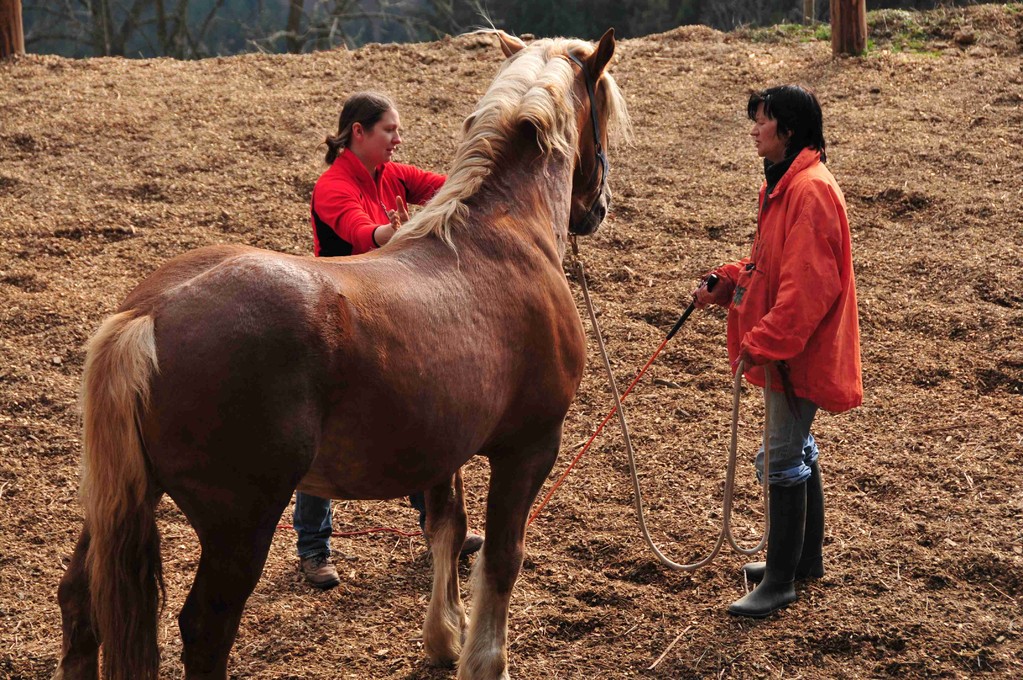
(792, 311)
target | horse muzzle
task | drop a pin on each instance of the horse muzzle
(591, 220)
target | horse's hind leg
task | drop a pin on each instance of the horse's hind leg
(235, 539)
(79, 654)
(446, 525)
(515, 478)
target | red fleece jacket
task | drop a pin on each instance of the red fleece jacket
(350, 203)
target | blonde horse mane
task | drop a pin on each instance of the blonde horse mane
(535, 86)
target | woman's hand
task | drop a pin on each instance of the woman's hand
(399, 215)
(720, 295)
(748, 359)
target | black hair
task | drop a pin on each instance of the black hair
(364, 108)
(796, 110)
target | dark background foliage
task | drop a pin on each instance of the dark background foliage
(187, 29)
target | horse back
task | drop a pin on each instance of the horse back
(242, 336)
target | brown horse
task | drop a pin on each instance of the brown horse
(232, 376)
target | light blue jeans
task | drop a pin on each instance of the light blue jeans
(313, 517)
(793, 449)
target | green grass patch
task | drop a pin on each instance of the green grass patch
(787, 33)
(929, 33)
(914, 32)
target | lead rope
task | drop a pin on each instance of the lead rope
(726, 527)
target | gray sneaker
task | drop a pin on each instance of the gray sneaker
(319, 572)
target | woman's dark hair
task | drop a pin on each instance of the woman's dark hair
(796, 110)
(364, 108)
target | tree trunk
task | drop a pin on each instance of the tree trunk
(848, 27)
(161, 28)
(809, 12)
(180, 38)
(292, 39)
(101, 27)
(12, 31)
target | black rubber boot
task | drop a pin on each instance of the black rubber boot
(811, 563)
(784, 548)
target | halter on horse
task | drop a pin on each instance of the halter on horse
(232, 376)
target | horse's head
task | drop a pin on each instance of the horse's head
(547, 114)
(599, 105)
(591, 196)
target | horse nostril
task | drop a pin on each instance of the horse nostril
(601, 212)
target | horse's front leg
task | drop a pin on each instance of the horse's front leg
(516, 476)
(446, 525)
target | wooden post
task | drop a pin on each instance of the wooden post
(848, 27)
(292, 38)
(12, 33)
(809, 12)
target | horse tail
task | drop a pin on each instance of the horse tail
(123, 561)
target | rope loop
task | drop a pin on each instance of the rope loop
(726, 528)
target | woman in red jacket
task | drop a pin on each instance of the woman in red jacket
(358, 204)
(792, 311)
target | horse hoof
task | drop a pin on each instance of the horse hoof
(441, 653)
(442, 660)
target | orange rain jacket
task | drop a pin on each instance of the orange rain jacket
(794, 298)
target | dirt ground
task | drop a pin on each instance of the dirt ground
(109, 167)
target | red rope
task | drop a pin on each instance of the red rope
(599, 429)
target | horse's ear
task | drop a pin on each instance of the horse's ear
(509, 43)
(601, 56)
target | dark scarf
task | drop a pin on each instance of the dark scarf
(775, 171)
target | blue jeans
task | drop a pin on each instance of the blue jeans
(313, 522)
(793, 449)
